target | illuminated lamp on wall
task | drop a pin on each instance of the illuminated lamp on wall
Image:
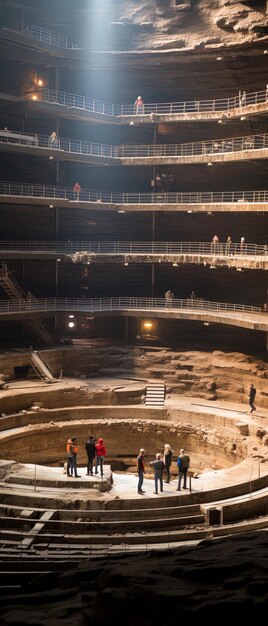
(70, 322)
(40, 82)
(147, 326)
(34, 97)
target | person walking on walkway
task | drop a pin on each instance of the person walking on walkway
(169, 295)
(167, 460)
(159, 467)
(141, 470)
(228, 245)
(183, 465)
(215, 244)
(252, 394)
(139, 106)
(76, 190)
(101, 453)
(91, 452)
(242, 245)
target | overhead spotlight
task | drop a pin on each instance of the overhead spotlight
(126, 263)
(239, 269)
(131, 124)
(206, 323)
(121, 211)
(219, 121)
(265, 52)
(209, 213)
(71, 316)
(51, 158)
(242, 118)
(175, 264)
(190, 211)
(71, 324)
(51, 206)
(209, 164)
(212, 267)
(59, 260)
(219, 58)
(205, 264)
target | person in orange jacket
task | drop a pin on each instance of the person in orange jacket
(72, 451)
(101, 453)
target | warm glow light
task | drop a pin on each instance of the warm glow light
(40, 82)
(148, 325)
(34, 97)
(71, 324)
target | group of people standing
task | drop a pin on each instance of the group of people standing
(226, 248)
(96, 453)
(160, 464)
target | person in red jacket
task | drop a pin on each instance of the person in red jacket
(139, 106)
(101, 453)
(76, 190)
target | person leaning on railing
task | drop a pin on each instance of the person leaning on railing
(52, 140)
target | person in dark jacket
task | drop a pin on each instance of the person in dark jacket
(252, 394)
(101, 453)
(167, 460)
(159, 467)
(183, 465)
(141, 470)
(91, 452)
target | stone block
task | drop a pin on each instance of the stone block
(243, 428)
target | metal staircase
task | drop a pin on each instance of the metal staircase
(155, 394)
(41, 367)
(15, 293)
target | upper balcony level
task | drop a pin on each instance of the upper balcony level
(75, 106)
(190, 202)
(230, 149)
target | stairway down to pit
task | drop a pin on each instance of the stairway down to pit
(155, 394)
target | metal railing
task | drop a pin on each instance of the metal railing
(48, 37)
(220, 105)
(184, 150)
(166, 248)
(29, 190)
(126, 304)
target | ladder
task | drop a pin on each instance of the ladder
(15, 293)
(41, 366)
(155, 394)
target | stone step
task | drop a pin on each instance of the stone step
(65, 540)
(91, 482)
(14, 512)
(114, 526)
